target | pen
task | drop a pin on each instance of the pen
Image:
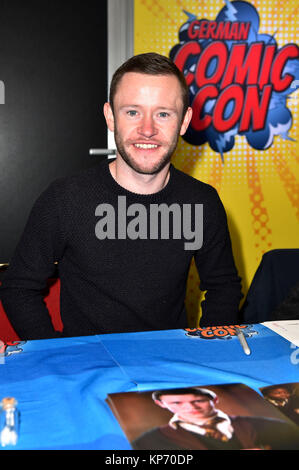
(243, 341)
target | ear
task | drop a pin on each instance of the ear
(215, 400)
(108, 113)
(186, 121)
(159, 403)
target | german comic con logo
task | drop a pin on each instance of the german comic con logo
(219, 332)
(239, 80)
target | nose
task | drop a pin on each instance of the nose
(147, 126)
(190, 407)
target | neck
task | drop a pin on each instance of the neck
(136, 182)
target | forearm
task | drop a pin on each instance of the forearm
(33, 263)
(222, 287)
(218, 274)
(27, 313)
(221, 305)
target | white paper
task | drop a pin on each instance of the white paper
(288, 329)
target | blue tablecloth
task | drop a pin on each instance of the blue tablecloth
(61, 384)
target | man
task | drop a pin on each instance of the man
(286, 402)
(197, 424)
(122, 264)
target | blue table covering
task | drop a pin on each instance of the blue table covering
(61, 385)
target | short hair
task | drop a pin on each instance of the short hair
(184, 391)
(150, 63)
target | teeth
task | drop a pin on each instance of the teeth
(146, 146)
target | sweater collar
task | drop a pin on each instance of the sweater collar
(113, 186)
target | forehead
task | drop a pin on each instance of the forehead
(279, 390)
(143, 87)
(183, 398)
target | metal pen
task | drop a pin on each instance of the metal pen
(243, 341)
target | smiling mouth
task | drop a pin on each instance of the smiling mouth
(146, 146)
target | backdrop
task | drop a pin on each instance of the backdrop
(241, 62)
(53, 83)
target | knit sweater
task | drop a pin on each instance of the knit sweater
(120, 283)
(250, 432)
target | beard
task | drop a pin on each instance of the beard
(132, 163)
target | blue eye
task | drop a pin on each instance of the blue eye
(132, 112)
(163, 114)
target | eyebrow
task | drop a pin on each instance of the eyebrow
(160, 108)
(191, 401)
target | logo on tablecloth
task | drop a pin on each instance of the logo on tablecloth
(11, 347)
(220, 332)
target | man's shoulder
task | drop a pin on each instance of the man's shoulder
(76, 185)
(263, 421)
(82, 178)
(193, 185)
(74, 189)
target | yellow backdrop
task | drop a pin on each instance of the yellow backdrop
(259, 188)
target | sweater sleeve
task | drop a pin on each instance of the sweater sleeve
(216, 268)
(33, 262)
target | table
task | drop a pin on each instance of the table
(61, 385)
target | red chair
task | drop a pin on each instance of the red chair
(7, 332)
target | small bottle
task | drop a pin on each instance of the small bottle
(9, 422)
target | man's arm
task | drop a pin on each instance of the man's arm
(216, 269)
(25, 280)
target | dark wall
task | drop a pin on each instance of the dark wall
(53, 62)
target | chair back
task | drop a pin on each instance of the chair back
(276, 275)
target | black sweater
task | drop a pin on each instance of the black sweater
(117, 285)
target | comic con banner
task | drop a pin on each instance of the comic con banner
(241, 63)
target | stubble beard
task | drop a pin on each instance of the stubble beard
(165, 159)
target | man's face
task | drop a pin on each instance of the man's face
(281, 393)
(188, 407)
(147, 120)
